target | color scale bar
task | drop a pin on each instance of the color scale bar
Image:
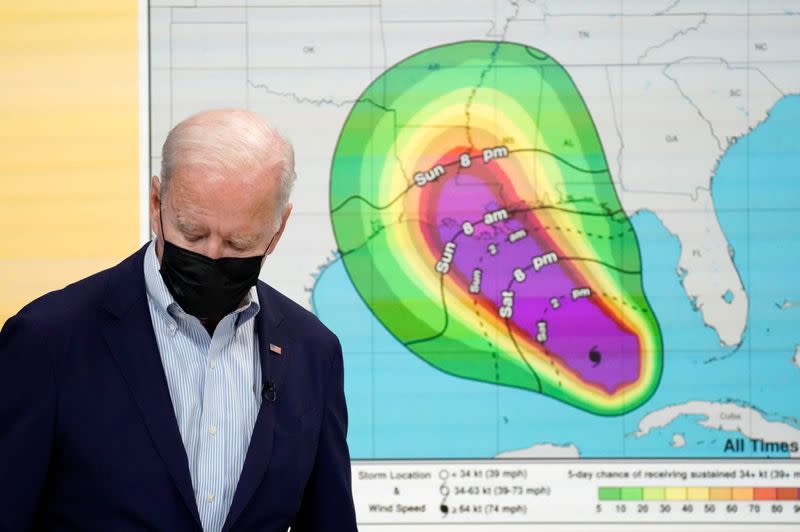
(697, 493)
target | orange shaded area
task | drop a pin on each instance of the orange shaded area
(720, 494)
(765, 494)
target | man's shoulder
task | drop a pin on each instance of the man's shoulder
(301, 322)
(76, 301)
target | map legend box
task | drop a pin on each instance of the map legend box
(548, 492)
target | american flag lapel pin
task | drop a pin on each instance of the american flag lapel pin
(276, 349)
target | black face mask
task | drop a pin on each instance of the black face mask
(204, 287)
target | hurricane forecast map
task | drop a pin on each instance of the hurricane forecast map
(541, 230)
(470, 179)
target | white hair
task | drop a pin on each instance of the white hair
(229, 140)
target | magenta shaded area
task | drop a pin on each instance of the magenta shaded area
(575, 328)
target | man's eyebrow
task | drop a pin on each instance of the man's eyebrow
(186, 226)
(243, 240)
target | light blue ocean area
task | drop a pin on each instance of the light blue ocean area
(401, 407)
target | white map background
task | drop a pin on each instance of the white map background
(671, 85)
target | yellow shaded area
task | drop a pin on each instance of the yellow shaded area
(69, 143)
(675, 494)
(697, 494)
(653, 494)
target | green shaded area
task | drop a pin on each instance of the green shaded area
(630, 494)
(422, 321)
(529, 91)
(609, 494)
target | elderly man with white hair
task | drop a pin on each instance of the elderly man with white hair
(176, 391)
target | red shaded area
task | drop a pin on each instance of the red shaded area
(787, 494)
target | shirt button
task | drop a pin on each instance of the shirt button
(172, 327)
(212, 429)
(212, 364)
(210, 498)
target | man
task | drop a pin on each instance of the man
(175, 391)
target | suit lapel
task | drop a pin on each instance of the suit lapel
(273, 369)
(128, 331)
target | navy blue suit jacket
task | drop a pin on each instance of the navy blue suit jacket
(88, 435)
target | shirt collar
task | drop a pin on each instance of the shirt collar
(158, 292)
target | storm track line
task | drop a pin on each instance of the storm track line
(456, 162)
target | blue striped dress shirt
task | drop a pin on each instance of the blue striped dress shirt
(215, 386)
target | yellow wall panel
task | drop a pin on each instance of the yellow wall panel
(69, 143)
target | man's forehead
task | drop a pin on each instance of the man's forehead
(248, 182)
(191, 173)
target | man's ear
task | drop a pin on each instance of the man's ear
(155, 204)
(284, 218)
(155, 212)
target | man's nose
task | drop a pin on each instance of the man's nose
(214, 248)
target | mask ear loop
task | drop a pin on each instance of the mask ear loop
(268, 245)
(161, 219)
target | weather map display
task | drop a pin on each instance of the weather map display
(508, 224)
(557, 240)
